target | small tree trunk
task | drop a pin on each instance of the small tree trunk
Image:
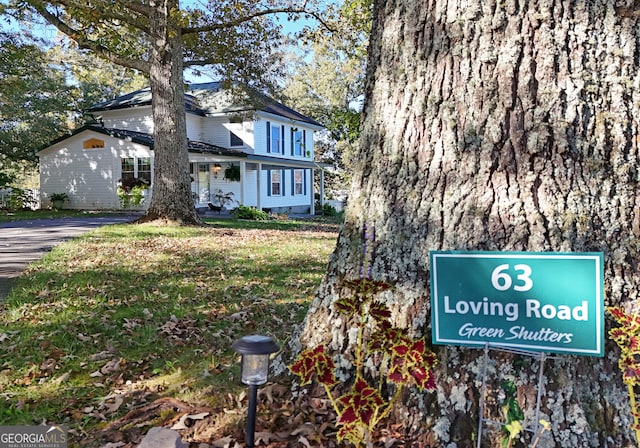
(497, 125)
(172, 199)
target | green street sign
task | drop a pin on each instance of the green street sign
(536, 301)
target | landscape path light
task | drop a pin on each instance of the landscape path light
(254, 371)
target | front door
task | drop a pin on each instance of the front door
(200, 186)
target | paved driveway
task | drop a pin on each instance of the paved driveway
(22, 242)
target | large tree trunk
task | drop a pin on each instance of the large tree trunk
(497, 125)
(172, 199)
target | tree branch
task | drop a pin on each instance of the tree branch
(141, 11)
(254, 15)
(84, 42)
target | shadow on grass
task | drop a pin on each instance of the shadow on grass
(142, 311)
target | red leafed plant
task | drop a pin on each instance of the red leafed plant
(402, 361)
(627, 336)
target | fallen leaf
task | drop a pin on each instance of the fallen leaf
(182, 422)
(266, 437)
(130, 324)
(48, 365)
(62, 378)
(113, 366)
(225, 442)
(100, 356)
(112, 407)
(84, 338)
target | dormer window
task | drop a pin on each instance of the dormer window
(235, 140)
(93, 143)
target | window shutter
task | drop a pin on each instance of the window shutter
(293, 182)
(282, 183)
(269, 186)
(292, 145)
(305, 182)
(268, 136)
(282, 138)
(304, 142)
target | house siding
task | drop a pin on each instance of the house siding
(194, 128)
(261, 135)
(287, 202)
(88, 176)
(133, 119)
(214, 131)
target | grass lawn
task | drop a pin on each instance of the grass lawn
(127, 314)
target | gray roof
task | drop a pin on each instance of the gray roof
(210, 99)
(146, 139)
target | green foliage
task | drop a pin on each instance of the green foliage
(19, 199)
(131, 192)
(222, 199)
(131, 197)
(512, 413)
(58, 197)
(401, 360)
(329, 210)
(43, 90)
(12, 413)
(251, 213)
(34, 99)
(328, 85)
(6, 179)
(232, 173)
(236, 40)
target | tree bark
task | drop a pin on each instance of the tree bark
(496, 125)
(171, 199)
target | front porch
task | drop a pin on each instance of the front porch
(255, 188)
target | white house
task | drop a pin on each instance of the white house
(270, 145)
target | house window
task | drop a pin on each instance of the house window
(128, 168)
(135, 168)
(298, 182)
(235, 140)
(275, 138)
(276, 183)
(144, 169)
(93, 143)
(297, 140)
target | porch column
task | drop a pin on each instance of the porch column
(312, 206)
(259, 176)
(321, 188)
(243, 177)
